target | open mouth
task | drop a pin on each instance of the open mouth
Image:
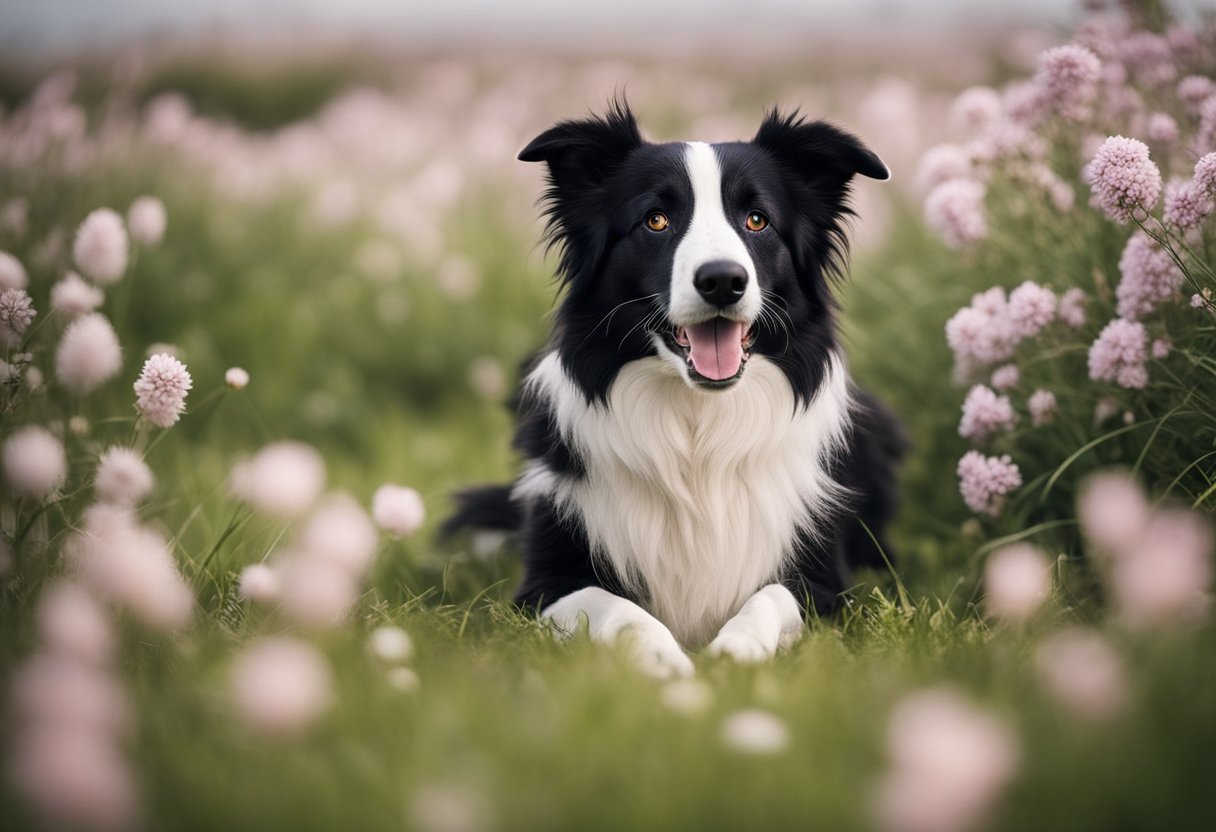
(716, 350)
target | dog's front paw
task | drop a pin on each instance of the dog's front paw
(741, 645)
(657, 654)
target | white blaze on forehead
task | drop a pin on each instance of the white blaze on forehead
(711, 235)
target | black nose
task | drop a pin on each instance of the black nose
(721, 282)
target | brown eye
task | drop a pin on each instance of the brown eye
(756, 221)
(657, 221)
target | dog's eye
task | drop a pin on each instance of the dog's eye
(657, 221)
(756, 221)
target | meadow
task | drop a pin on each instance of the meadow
(348, 226)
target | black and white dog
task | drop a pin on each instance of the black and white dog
(699, 466)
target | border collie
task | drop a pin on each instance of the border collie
(699, 467)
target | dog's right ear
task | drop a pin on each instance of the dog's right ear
(582, 154)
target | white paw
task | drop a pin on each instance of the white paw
(657, 654)
(742, 646)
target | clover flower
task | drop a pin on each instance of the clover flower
(12, 273)
(236, 378)
(1124, 178)
(1149, 277)
(397, 509)
(101, 246)
(34, 461)
(1031, 307)
(977, 107)
(123, 478)
(283, 479)
(1205, 173)
(1084, 673)
(258, 582)
(88, 354)
(146, 220)
(16, 313)
(1193, 90)
(1186, 205)
(161, 390)
(280, 685)
(1071, 308)
(1005, 377)
(1017, 579)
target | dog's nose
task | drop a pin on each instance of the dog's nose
(721, 282)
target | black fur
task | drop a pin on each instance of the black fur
(603, 177)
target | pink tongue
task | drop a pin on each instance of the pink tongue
(716, 348)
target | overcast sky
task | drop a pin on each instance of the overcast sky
(35, 24)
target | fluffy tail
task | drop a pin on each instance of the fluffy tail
(484, 507)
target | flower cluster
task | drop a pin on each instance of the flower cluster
(1120, 353)
(984, 481)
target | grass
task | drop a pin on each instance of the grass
(516, 730)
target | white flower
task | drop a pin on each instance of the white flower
(397, 509)
(280, 685)
(34, 461)
(1084, 673)
(88, 355)
(236, 378)
(391, 644)
(259, 583)
(146, 219)
(122, 477)
(754, 731)
(316, 592)
(339, 531)
(101, 247)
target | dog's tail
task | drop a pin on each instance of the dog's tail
(487, 507)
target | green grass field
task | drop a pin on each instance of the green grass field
(368, 357)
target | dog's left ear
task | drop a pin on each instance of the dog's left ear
(819, 152)
(582, 154)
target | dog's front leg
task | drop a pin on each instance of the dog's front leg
(769, 620)
(610, 617)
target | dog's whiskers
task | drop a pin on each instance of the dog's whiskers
(606, 321)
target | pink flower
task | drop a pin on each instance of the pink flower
(315, 591)
(1031, 307)
(35, 464)
(949, 764)
(1193, 90)
(283, 479)
(1161, 128)
(1025, 102)
(123, 478)
(1042, 407)
(1161, 348)
(60, 693)
(1017, 579)
(161, 390)
(1201, 299)
(1119, 354)
(1005, 377)
(976, 107)
(259, 583)
(1163, 577)
(955, 209)
(75, 780)
(146, 219)
(397, 509)
(1071, 309)
(72, 623)
(73, 297)
(982, 333)
(12, 273)
(1068, 76)
(88, 354)
(985, 480)
(130, 565)
(1112, 511)
(1124, 178)
(985, 413)
(280, 685)
(340, 532)
(101, 247)
(1186, 205)
(1149, 56)
(1085, 675)
(16, 313)
(1205, 173)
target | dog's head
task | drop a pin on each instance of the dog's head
(703, 254)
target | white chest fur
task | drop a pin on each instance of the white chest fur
(694, 498)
